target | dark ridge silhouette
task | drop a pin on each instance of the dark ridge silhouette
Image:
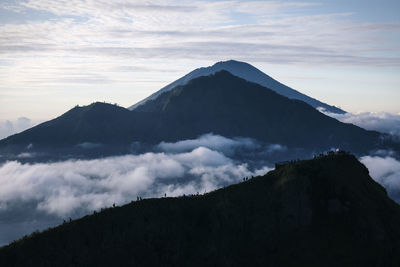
(247, 72)
(230, 106)
(220, 103)
(97, 123)
(321, 212)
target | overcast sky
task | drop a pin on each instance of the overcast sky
(56, 54)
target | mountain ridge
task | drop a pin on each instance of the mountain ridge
(236, 107)
(322, 212)
(245, 71)
(221, 103)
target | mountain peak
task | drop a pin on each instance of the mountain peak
(235, 107)
(245, 71)
(231, 62)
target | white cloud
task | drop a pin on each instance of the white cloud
(379, 121)
(211, 141)
(85, 36)
(386, 171)
(78, 187)
(8, 127)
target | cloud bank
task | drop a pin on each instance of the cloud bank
(379, 121)
(236, 146)
(211, 141)
(42, 194)
(81, 186)
(39, 195)
(9, 127)
(386, 171)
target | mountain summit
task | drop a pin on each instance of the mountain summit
(221, 103)
(227, 105)
(247, 72)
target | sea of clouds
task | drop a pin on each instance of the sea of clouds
(378, 121)
(38, 195)
(63, 188)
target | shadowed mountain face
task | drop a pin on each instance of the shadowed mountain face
(227, 105)
(96, 130)
(247, 72)
(322, 212)
(97, 123)
(222, 104)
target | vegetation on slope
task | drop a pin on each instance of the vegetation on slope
(321, 212)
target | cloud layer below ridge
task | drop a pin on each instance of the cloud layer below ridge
(378, 121)
(63, 188)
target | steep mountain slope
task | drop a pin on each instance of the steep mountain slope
(230, 106)
(92, 131)
(322, 212)
(247, 72)
(97, 123)
(221, 103)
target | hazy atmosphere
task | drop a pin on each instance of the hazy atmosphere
(306, 91)
(56, 54)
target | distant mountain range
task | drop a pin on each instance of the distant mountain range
(247, 72)
(220, 103)
(321, 212)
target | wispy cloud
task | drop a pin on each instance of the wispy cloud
(101, 32)
(9, 127)
(379, 121)
(211, 141)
